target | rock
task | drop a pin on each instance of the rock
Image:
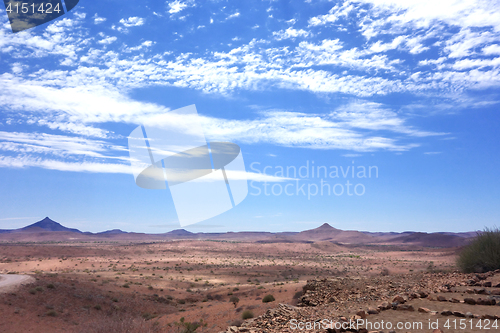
(423, 294)
(487, 284)
(458, 314)
(423, 310)
(490, 317)
(372, 311)
(405, 307)
(470, 301)
(469, 315)
(384, 306)
(442, 298)
(398, 299)
(481, 301)
(495, 292)
(446, 313)
(362, 314)
(480, 291)
(437, 331)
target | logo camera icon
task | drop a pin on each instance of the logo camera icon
(26, 14)
(204, 178)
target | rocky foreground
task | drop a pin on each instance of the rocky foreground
(420, 302)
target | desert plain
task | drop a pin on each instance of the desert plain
(182, 284)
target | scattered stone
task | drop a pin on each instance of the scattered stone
(423, 310)
(442, 298)
(384, 306)
(469, 315)
(458, 314)
(372, 311)
(446, 313)
(405, 307)
(481, 301)
(362, 314)
(398, 299)
(454, 300)
(470, 301)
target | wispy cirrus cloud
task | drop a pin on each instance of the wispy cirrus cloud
(92, 77)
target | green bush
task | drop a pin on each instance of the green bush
(51, 313)
(234, 300)
(247, 314)
(268, 298)
(482, 254)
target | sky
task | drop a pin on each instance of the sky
(408, 90)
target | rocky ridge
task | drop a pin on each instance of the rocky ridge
(344, 299)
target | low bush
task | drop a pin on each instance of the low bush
(247, 314)
(482, 254)
(268, 298)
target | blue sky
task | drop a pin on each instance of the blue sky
(411, 88)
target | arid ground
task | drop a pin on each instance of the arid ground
(97, 286)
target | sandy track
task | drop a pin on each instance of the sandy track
(9, 282)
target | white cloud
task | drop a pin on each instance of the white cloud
(94, 167)
(58, 145)
(108, 40)
(141, 46)
(237, 14)
(176, 6)
(492, 49)
(333, 15)
(133, 21)
(290, 33)
(98, 20)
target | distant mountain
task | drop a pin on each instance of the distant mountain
(112, 232)
(431, 240)
(324, 236)
(180, 232)
(47, 225)
(328, 233)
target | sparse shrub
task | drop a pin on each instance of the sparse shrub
(234, 300)
(32, 291)
(482, 254)
(247, 314)
(51, 313)
(268, 298)
(148, 316)
(39, 288)
(126, 285)
(98, 307)
(50, 286)
(384, 271)
(188, 327)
